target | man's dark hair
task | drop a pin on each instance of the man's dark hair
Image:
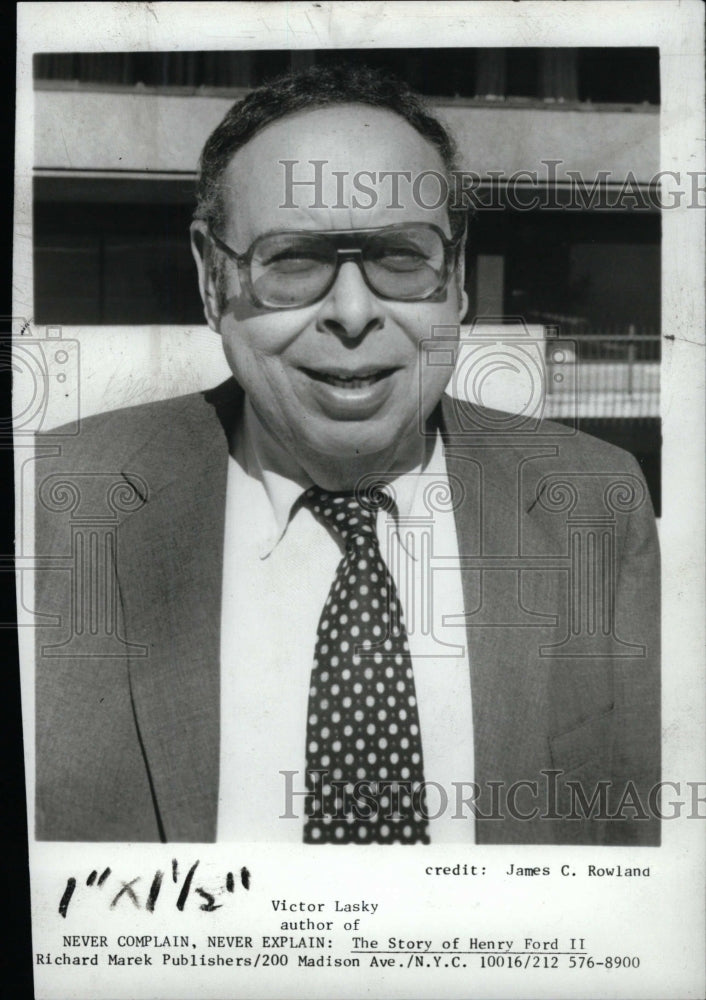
(318, 87)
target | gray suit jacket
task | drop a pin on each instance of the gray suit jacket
(560, 577)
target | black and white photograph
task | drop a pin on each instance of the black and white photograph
(358, 429)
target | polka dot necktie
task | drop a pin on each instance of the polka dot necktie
(364, 773)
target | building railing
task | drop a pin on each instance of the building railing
(604, 374)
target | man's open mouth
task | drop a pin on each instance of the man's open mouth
(358, 380)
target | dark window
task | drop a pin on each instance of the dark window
(603, 75)
(522, 78)
(599, 270)
(619, 76)
(98, 263)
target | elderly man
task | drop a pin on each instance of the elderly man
(307, 643)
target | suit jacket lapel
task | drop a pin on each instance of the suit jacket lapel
(509, 689)
(171, 558)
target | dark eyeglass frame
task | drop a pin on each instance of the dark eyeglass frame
(350, 245)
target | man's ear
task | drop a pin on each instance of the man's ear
(203, 253)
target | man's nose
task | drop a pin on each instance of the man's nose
(350, 309)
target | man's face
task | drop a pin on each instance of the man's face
(296, 365)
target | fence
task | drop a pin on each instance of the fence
(604, 373)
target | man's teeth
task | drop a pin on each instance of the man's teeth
(352, 381)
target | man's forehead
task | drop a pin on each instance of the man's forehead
(313, 168)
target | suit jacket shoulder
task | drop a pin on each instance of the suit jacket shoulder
(165, 432)
(129, 531)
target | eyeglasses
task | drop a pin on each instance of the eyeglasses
(409, 262)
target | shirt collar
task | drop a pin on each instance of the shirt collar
(284, 481)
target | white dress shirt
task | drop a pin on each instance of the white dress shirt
(278, 570)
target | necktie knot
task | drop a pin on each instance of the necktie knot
(349, 515)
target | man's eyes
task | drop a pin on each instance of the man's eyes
(296, 258)
(400, 258)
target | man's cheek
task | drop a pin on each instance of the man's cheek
(246, 359)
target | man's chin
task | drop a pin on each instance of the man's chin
(353, 452)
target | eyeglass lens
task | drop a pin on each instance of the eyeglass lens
(295, 268)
